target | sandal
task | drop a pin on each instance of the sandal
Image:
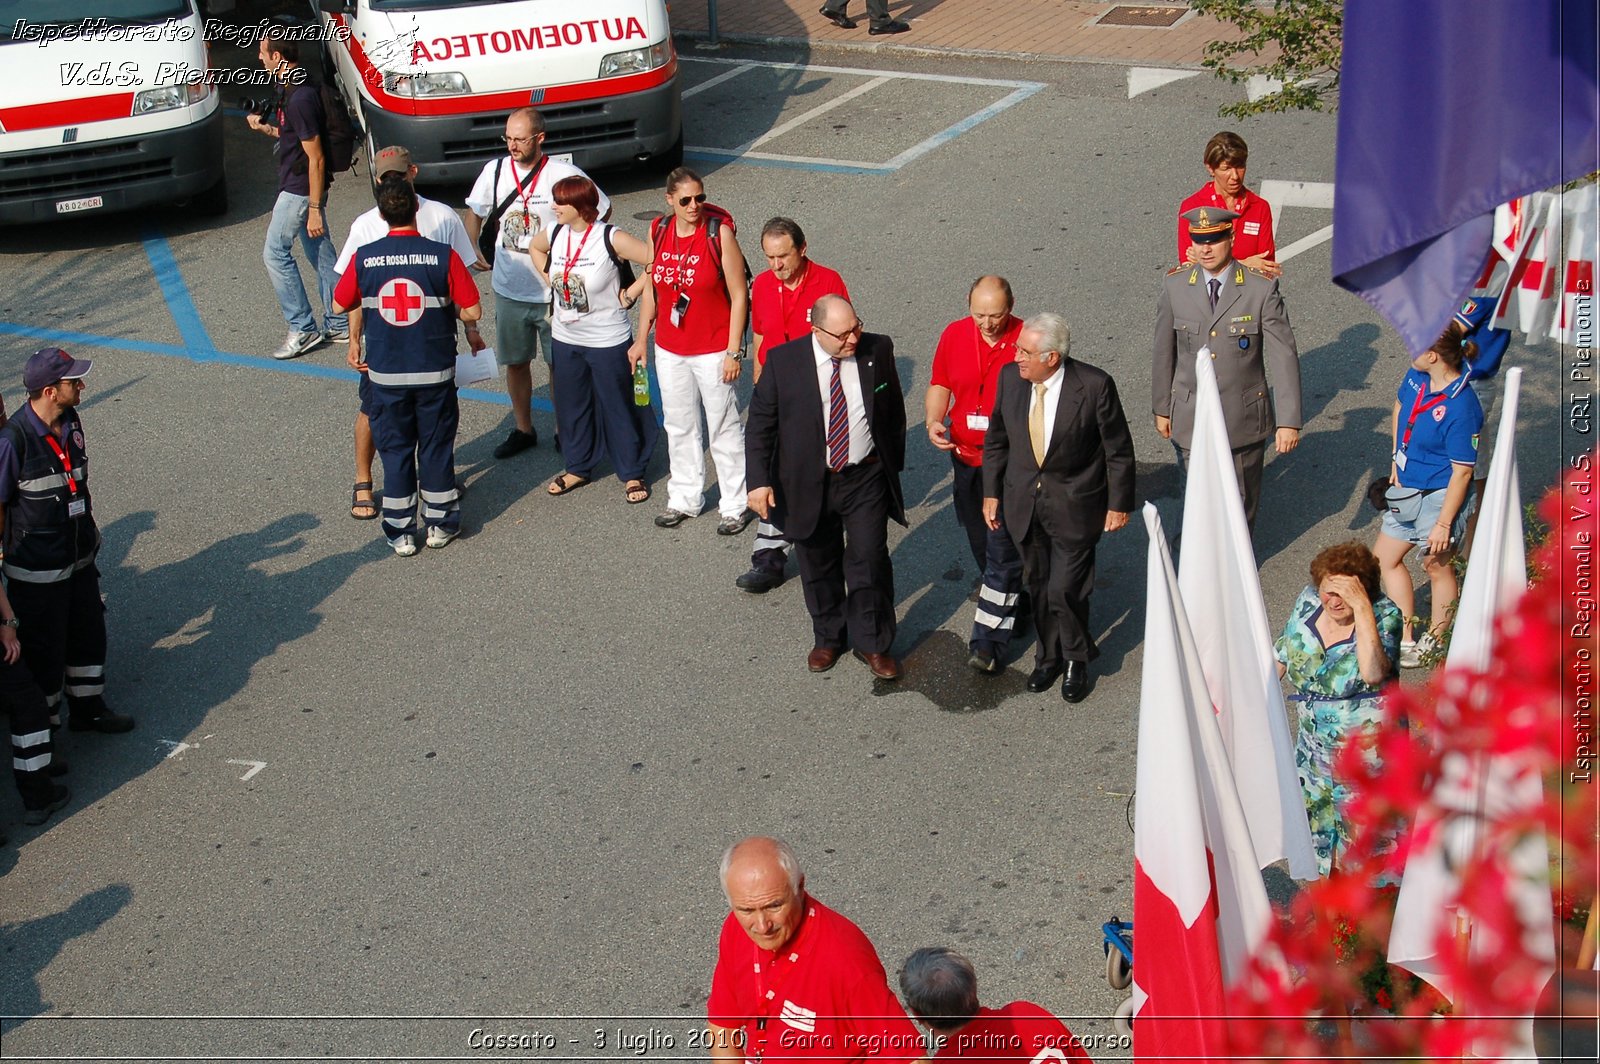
(363, 509)
(636, 491)
(567, 482)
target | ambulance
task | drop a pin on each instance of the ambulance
(440, 77)
(109, 108)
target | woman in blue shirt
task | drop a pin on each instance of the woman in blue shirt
(1435, 430)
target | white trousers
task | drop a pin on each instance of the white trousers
(689, 382)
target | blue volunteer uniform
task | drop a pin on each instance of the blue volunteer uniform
(1444, 431)
(409, 288)
(1474, 316)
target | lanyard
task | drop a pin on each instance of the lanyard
(66, 463)
(766, 994)
(526, 190)
(978, 345)
(566, 269)
(1418, 408)
(785, 291)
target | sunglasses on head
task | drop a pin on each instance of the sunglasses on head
(684, 201)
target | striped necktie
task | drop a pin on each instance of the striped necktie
(838, 423)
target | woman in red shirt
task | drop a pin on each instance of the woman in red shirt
(697, 302)
(1253, 242)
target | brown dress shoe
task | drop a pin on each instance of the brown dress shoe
(821, 659)
(882, 665)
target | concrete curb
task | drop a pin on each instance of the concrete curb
(919, 51)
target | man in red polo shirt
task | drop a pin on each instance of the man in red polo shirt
(941, 991)
(1253, 244)
(794, 979)
(780, 311)
(966, 365)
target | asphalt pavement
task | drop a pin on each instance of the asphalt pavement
(494, 780)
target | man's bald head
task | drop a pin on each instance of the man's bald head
(765, 888)
(989, 301)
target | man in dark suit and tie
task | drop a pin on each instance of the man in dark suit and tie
(824, 445)
(1059, 453)
(1235, 311)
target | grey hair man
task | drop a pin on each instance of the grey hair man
(1058, 452)
(941, 992)
(794, 979)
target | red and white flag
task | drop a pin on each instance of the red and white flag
(1199, 906)
(1484, 789)
(1581, 214)
(1235, 643)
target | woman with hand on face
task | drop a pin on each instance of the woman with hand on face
(1338, 648)
(578, 257)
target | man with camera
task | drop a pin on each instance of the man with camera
(302, 205)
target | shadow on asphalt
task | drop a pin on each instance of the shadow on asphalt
(37, 942)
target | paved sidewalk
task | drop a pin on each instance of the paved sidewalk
(1046, 29)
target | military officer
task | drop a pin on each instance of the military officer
(1234, 312)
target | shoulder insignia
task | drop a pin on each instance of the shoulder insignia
(1179, 268)
(1253, 270)
(1238, 275)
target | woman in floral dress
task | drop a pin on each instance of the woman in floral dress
(1337, 649)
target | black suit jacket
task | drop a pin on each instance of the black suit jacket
(785, 436)
(1088, 465)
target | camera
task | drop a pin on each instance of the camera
(261, 107)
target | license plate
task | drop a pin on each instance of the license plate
(87, 203)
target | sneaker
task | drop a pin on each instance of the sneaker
(104, 721)
(405, 546)
(59, 797)
(439, 537)
(340, 337)
(1412, 653)
(732, 526)
(671, 518)
(517, 442)
(297, 344)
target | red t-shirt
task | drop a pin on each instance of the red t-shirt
(463, 289)
(1252, 230)
(967, 365)
(779, 314)
(824, 997)
(1022, 1031)
(688, 265)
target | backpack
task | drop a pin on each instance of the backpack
(339, 141)
(624, 267)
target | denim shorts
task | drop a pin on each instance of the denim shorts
(1412, 514)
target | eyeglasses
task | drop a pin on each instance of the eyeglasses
(1033, 354)
(519, 140)
(854, 330)
(684, 201)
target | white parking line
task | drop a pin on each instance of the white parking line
(1021, 90)
(718, 80)
(1143, 79)
(1306, 243)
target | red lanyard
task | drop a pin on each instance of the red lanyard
(526, 191)
(566, 269)
(978, 345)
(793, 293)
(66, 463)
(1418, 408)
(767, 994)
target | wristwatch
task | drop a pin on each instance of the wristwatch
(11, 622)
(737, 356)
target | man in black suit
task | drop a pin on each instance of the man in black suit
(1058, 449)
(824, 445)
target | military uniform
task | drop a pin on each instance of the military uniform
(1245, 328)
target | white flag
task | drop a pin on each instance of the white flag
(1235, 642)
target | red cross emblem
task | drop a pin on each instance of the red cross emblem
(397, 300)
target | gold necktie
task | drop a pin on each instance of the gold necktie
(1036, 425)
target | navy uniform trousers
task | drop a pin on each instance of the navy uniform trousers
(414, 430)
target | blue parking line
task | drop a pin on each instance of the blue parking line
(176, 293)
(781, 164)
(296, 367)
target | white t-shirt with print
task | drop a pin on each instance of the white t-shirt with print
(530, 211)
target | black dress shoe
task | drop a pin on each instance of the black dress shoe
(105, 721)
(1041, 678)
(516, 442)
(759, 581)
(894, 25)
(844, 22)
(1075, 681)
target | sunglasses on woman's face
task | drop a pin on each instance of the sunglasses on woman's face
(684, 201)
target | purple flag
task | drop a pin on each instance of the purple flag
(1447, 110)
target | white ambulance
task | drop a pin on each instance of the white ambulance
(106, 105)
(440, 77)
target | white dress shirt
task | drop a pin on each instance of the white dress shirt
(1052, 401)
(850, 381)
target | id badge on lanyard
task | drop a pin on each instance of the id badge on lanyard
(76, 507)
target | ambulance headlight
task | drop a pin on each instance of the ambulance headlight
(635, 60)
(169, 96)
(417, 84)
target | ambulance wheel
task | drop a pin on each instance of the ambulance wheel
(1122, 1019)
(212, 202)
(1119, 976)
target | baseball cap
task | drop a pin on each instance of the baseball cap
(51, 365)
(391, 160)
